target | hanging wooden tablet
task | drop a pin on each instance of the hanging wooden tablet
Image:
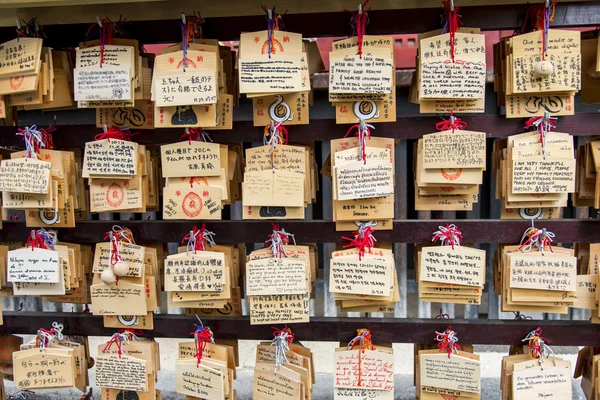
(127, 365)
(118, 170)
(21, 66)
(451, 67)
(449, 167)
(535, 171)
(271, 298)
(277, 178)
(447, 371)
(50, 361)
(276, 102)
(363, 369)
(43, 269)
(450, 273)
(362, 81)
(537, 373)
(205, 369)
(212, 290)
(362, 277)
(284, 369)
(527, 274)
(126, 280)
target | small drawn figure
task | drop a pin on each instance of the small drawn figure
(184, 115)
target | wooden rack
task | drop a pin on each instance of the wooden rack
(78, 126)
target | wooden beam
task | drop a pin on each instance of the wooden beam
(320, 231)
(406, 127)
(158, 22)
(395, 330)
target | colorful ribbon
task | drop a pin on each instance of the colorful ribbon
(540, 238)
(453, 23)
(364, 338)
(453, 123)
(363, 238)
(447, 341)
(543, 124)
(278, 239)
(196, 135)
(30, 29)
(447, 235)
(41, 239)
(123, 336)
(538, 346)
(115, 133)
(358, 24)
(106, 30)
(46, 336)
(363, 132)
(202, 336)
(280, 345)
(275, 133)
(198, 238)
(538, 17)
(34, 140)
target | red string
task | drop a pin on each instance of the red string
(115, 339)
(134, 332)
(360, 21)
(534, 236)
(203, 337)
(194, 26)
(447, 341)
(280, 129)
(284, 238)
(536, 16)
(36, 241)
(115, 133)
(453, 123)
(191, 134)
(362, 138)
(535, 344)
(454, 23)
(540, 125)
(280, 332)
(198, 234)
(47, 137)
(366, 242)
(447, 235)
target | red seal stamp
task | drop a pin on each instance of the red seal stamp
(115, 195)
(448, 189)
(16, 82)
(537, 195)
(188, 63)
(451, 174)
(192, 205)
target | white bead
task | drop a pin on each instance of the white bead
(108, 276)
(543, 69)
(121, 268)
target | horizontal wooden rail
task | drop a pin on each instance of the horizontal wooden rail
(406, 127)
(153, 28)
(319, 231)
(395, 330)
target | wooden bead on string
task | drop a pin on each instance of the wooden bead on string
(108, 276)
(543, 69)
(121, 268)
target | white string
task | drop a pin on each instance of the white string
(281, 347)
(122, 235)
(443, 231)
